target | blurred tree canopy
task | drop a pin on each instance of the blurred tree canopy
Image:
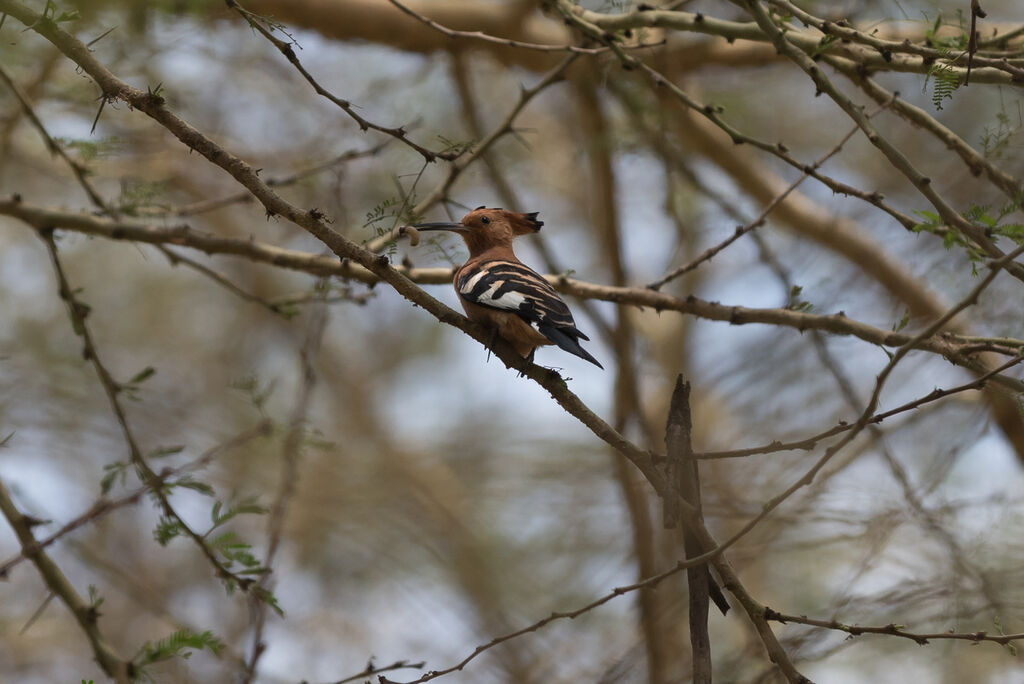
(245, 437)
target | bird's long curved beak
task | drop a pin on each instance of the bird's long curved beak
(440, 225)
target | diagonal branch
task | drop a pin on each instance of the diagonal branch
(896, 158)
(104, 506)
(117, 668)
(398, 132)
(740, 231)
(78, 311)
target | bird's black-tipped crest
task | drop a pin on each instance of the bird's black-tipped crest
(531, 217)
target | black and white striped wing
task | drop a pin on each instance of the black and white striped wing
(511, 286)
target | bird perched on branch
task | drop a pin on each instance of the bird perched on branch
(498, 290)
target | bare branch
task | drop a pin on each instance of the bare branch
(104, 506)
(117, 668)
(398, 132)
(892, 629)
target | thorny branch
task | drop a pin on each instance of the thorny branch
(78, 311)
(950, 347)
(893, 630)
(104, 506)
(740, 231)
(117, 668)
(259, 24)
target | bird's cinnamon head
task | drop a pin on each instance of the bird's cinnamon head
(484, 228)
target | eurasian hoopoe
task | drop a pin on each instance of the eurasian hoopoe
(497, 289)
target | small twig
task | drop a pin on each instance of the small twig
(104, 506)
(810, 442)
(893, 630)
(509, 42)
(221, 280)
(372, 669)
(972, 42)
(55, 148)
(344, 294)
(37, 614)
(285, 48)
(505, 127)
(760, 220)
(113, 665)
(78, 311)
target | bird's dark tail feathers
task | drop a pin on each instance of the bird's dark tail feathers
(566, 338)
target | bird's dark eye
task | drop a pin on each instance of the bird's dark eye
(484, 220)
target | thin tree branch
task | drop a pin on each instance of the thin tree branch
(78, 311)
(896, 158)
(740, 231)
(892, 629)
(116, 667)
(508, 42)
(174, 258)
(372, 669)
(809, 443)
(870, 54)
(203, 206)
(104, 506)
(976, 163)
(398, 132)
(480, 148)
